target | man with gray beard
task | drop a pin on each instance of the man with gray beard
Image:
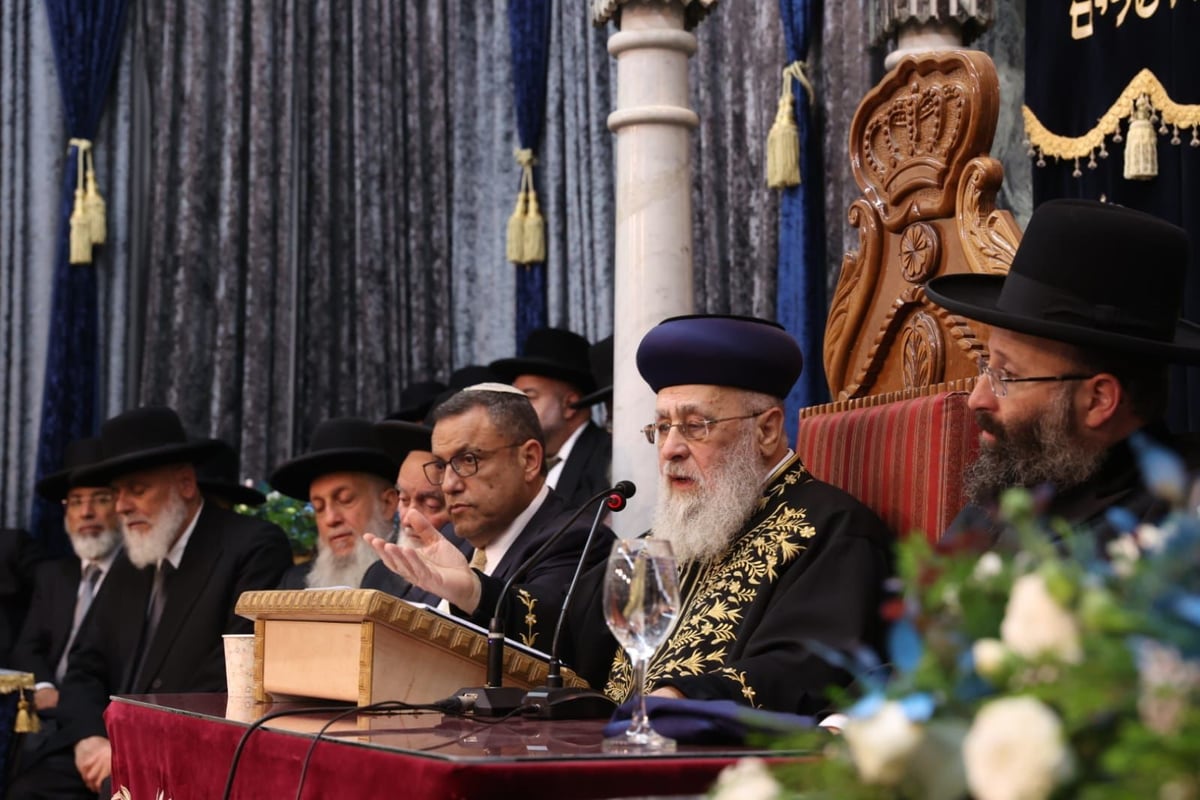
(159, 629)
(771, 558)
(64, 588)
(1082, 330)
(349, 480)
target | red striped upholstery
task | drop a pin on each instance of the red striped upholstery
(904, 459)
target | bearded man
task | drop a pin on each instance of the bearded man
(1082, 330)
(64, 588)
(771, 558)
(348, 478)
(159, 630)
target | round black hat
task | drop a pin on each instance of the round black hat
(142, 439)
(416, 399)
(716, 350)
(600, 357)
(552, 353)
(399, 438)
(1089, 274)
(344, 444)
(78, 454)
(219, 476)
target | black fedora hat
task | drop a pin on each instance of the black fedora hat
(552, 353)
(461, 378)
(416, 399)
(219, 476)
(344, 444)
(78, 454)
(1089, 274)
(141, 439)
(399, 438)
(600, 356)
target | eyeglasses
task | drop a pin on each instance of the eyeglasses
(998, 382)
(694, 430)
(464, 464)
(99, 500)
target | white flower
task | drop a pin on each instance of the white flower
(990, 657)
(746, 779)
(1150, 538)
(1123, 553)
(989, 565)
(882, 744)
(1015, 751)
(1035, 625)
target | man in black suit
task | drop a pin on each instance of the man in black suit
(64, 588)
(189, 561)
(487, 457)
(555, 374)
(349, 479)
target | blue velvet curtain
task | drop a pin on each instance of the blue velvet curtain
(529, 37)
(86, 35)
(800, 300)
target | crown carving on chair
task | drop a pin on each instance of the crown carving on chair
(911, 139)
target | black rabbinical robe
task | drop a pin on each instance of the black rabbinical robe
(809, 565)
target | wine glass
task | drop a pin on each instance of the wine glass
(641, 601)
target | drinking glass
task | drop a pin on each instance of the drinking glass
(641, 601)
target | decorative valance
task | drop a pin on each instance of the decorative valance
(1145, 103)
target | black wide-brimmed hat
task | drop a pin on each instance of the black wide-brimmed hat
(717, 350)
(416, 399)
(1089, 274)
(399, 438)
(600, 356)
(344, 444)
(218, 476)
(551, 353)
(142, 439)
(78, 454)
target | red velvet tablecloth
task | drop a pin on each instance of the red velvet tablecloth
(179, 747)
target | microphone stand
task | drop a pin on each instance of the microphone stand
(553, 700)
(493, 699)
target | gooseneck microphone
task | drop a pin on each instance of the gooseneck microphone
(555, 701)
(493, 698)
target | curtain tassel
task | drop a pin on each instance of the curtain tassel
(81, 227)
(783, 140)
(93, 203)
(27, 720)
(1141, 146)
(534, 232)
(515, 243)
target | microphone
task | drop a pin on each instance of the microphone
(555, 701)
(493, 699)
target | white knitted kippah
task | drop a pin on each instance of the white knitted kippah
(492, 386)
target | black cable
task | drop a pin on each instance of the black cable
(237, 753)
(480, 721)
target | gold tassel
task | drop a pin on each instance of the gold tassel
(515, 243)
(783, 145)
(93, 203)
(81, 227)
(534, 234)
(1141, 146)
(27, 721)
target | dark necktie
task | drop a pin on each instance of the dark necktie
(552, 462)
(83, 601)
(154, 610)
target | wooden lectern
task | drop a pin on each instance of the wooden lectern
(364, 646)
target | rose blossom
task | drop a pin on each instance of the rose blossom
(1035, 625)
(1015, 751)
(882, 744)
(746, 779)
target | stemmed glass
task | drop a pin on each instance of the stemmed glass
(641, 601)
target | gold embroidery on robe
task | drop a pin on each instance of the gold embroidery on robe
(529, 635)
(716, 596)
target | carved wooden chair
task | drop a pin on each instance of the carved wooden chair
(898, 434)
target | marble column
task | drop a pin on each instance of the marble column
(653, 125)
(922, 26)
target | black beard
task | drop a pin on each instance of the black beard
(1042, 450)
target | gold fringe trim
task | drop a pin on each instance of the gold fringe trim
(783, 140)
(1091, 143)
(89, 217)
(526, 238)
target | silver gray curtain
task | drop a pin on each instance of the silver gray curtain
(308, 200)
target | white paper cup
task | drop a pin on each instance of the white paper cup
(239, 664)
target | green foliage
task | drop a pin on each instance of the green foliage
(295, 517)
